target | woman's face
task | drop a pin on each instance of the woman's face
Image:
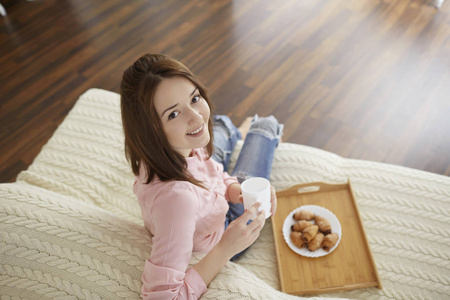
(184, 114)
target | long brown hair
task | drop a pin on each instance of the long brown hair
(145, 141)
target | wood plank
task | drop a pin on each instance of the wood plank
(363, 79)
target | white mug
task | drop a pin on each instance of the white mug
(257, 189)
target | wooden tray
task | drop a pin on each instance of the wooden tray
(349, 266)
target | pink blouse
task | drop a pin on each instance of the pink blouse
(182, 218)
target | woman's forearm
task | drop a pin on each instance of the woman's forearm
(211, 264)
(238, 236)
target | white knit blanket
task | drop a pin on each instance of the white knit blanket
(70, 227)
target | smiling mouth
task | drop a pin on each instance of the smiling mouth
(196, 131)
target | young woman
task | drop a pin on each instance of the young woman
(188, 202)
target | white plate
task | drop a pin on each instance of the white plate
(317, 210)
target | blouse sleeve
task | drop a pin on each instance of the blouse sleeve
(228, 180)
(173, 215)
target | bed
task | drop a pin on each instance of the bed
(71, 226)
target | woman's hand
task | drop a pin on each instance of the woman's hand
(234, 193)
(239, 236)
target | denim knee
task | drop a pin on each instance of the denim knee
(257, 153)
(268, 127)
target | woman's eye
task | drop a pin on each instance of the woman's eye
(196, 99)
(173, 115)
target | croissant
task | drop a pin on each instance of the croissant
(304, 215)
(324, 225)
(329, 241)
(296, 238)
(309, 233)
(300, 225)
(316, 242)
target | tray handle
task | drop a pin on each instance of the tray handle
(312, 187)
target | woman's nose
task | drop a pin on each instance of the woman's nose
(195, 116)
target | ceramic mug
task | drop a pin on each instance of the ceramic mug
(257, 189)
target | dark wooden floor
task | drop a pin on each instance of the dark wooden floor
(366, 79)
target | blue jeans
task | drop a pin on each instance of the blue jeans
(255, 159)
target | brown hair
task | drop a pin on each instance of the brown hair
(145, 141)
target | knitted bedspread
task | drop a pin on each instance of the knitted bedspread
(71, 228)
